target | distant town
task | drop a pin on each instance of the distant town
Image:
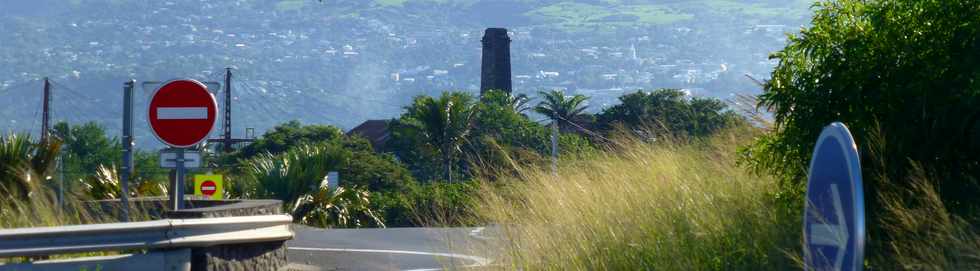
(343, 67)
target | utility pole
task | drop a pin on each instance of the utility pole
(227, 124)
(127, 142)
(226, 140)
(61, 182)
(46, 108)
(554, 147)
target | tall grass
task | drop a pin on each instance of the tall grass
(687, 206)
(29, 194)
(919, 232)
(665, 206)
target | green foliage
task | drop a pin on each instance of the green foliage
(86, 148)
(568, 111)
(289, 135)
(298, 177)
(374, 171)
(499, 138)
(902, 74)
(435, 127)
(290, 175)
(503, 135)
(339, 208)
(429, 204)
(90, 158)
(667, 111)
(25, 164)
(105, 184)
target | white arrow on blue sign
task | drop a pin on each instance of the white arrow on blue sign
(833, 221)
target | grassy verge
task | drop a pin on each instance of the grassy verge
(687, 206)
(664, 206)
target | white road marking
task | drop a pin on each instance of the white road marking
(182, 113)
(477, 260)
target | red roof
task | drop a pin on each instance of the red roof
(375, 131)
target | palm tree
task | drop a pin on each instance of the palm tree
(443, 123)
(519, 102)
(561, 109)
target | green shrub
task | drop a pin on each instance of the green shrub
(905, 70)
(298, 178)
(430, 204)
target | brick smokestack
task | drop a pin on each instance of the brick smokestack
(496, 61)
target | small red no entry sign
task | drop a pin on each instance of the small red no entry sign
(208, 188)
(182, 113)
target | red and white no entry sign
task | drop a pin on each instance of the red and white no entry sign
(182, 112)
(208, 188)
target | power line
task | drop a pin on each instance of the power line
(80, 111)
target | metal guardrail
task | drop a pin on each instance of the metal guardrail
(158, 234)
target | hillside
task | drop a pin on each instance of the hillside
(340, 62)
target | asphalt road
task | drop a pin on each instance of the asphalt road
(388, 249)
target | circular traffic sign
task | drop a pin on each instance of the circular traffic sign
(208, 188)
(182, 112)
(833, 220)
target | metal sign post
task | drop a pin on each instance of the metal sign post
(127, 163)
(178, 202)
(833, 220)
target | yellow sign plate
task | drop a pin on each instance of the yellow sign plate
(209, 186)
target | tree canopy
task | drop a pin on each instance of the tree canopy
(567, 111)
(440, 125)
(667, 111)
(903, 75)
(288, 135)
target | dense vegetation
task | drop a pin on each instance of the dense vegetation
(651, 181)
(436, 149)
(903, 75)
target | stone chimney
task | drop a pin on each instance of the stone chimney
(496, 61)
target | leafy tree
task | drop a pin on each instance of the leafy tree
(90, 158)
(501, 119)
(86, 147)
(435, 126)
(374, 171)
(501, 140)
(288, 135)
(520, 102)
(903, 75)
(667, 111)
(567, 111)
(503, 137)
(434, 203)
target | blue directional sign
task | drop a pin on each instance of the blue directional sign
(833, 223)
